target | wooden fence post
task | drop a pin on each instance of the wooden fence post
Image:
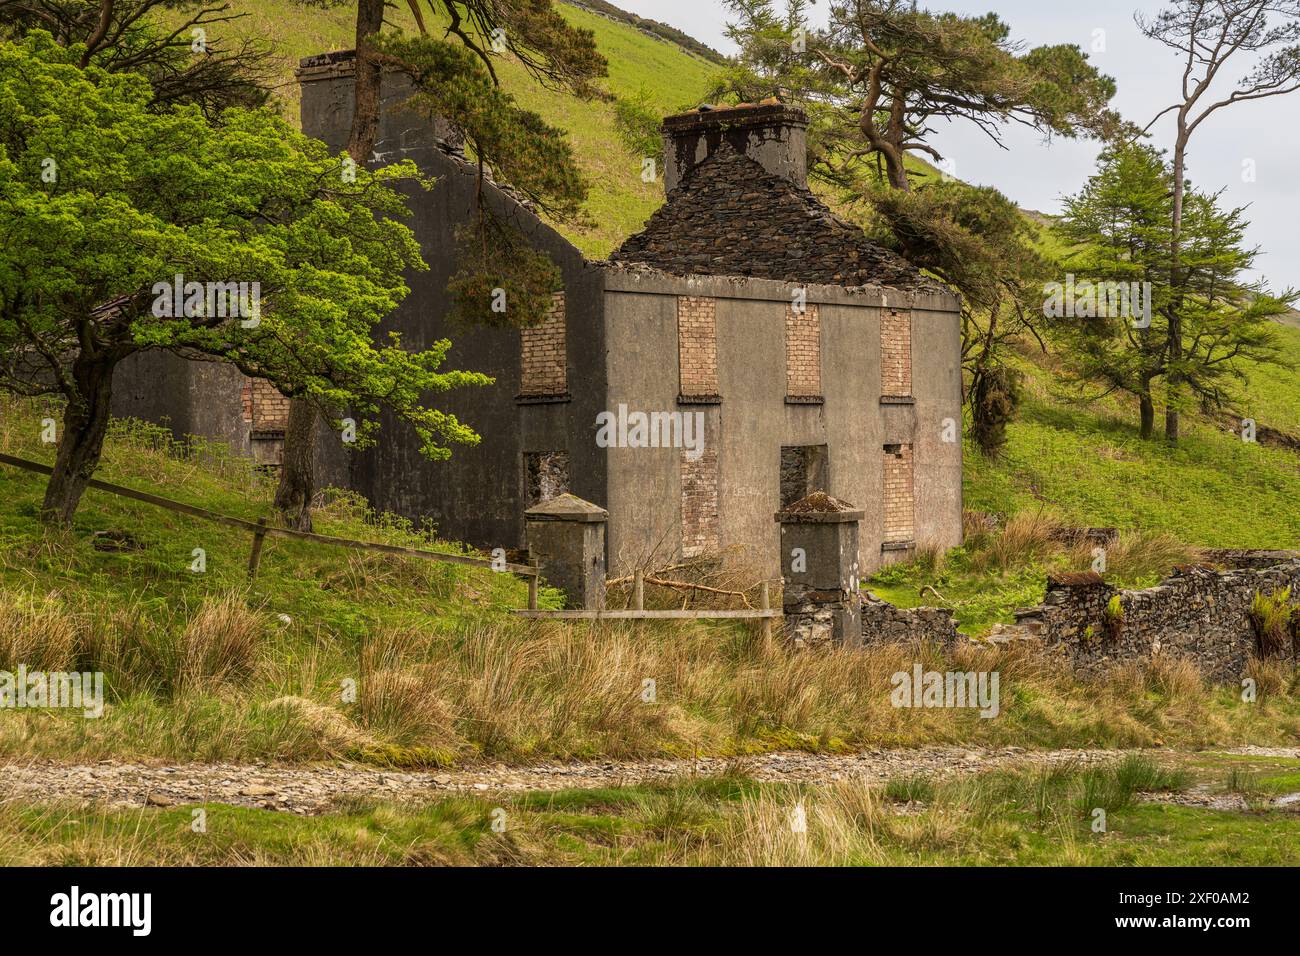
(765, 602)
(259, 537)
(532, 585)
(638, 588)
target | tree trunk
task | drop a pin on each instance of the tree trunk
(298, 467)
(1174, 352)
(896, 168)
(297, 470)
(366, 94)
(85, 423)
(1148, 414)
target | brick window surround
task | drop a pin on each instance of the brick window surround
(266, 411)
(900, 521)
(700, 501)
(895, 353)
(803, 352)
(697, 348)
(543, 358)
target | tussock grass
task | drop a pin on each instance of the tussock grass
(1271, 614)
(213, 667)
(226, 681)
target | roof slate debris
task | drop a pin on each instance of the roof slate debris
(729, 216)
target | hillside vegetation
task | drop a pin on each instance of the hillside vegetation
(202, 664)
(205, 665)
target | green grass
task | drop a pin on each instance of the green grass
(1006, 817)
(1086, 463)
(206, 666)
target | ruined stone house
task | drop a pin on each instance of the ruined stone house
(747, 347)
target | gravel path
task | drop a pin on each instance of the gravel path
(316, 789)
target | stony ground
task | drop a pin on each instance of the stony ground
(317, 789)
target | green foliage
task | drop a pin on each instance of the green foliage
(143, 196)
(1272, 615)
(501, 279)
(979, 242)
(108, 200)
(1120, 228)
(219, 75)
(881, 75)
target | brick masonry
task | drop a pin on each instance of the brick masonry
(265, 409)
(803, 351)
(697, 346)
(895, 352)
(543, 356)
(900, 524)
(700, 500)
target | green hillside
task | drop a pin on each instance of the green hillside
(1086, 463)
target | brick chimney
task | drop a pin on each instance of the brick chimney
(772, 134)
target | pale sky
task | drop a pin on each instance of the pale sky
(1036, 174)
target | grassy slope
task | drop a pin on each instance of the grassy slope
(1087, 463)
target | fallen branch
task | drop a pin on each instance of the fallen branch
(681, 586)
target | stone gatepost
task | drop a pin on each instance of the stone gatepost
(566, 538)
(819, 568)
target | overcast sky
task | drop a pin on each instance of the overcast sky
(1036, 174)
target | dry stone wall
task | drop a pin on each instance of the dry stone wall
(883, 622)
(1198, 613)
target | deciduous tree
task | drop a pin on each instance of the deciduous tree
(109, 203)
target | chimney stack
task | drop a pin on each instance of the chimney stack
(772, 134)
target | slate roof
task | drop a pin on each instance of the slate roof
(729, 216)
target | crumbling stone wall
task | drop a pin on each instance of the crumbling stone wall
(1247, 557)
(1197, 613)
(884, 623)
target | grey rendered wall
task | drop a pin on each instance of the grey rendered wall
(191, 398)
(753, 421)
(936, 385)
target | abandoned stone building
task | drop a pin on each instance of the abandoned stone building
(745, 348)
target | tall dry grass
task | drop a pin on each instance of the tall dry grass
(220, 680)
